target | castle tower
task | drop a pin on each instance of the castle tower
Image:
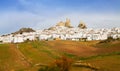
(68, 23)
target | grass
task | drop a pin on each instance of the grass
(106, 63)
(9, 59)
(69, 55)
(108, 44)
(100, 56)
(4, 51)
(4, 55)
(45, 52)
(34, 54)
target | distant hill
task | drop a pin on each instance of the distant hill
(24, 30)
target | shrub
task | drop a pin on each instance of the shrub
(61, 64)
(109, 39)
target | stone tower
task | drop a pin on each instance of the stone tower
(68, 23)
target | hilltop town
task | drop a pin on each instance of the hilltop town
(61, 31)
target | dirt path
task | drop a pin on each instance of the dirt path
(18, 56)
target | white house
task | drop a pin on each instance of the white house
(0, 38)
(18, 38)
(44, 37)
(63, 33)
(7, 39)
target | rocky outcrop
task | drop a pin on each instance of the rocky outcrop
(82, 25)
(68, 23)
(61, 23)
(22, 30)
(52, 28)
(86, 65)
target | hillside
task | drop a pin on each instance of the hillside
(22, 30)
(31, 55)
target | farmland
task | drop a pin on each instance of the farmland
(29, 56)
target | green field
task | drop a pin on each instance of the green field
(29, 56)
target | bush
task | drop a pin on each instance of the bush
(109, 39)
(61, 64)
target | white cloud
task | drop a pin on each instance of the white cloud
(12, 21)
(40, 16)
(95, 20)
(52, 15)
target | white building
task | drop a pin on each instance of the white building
(7, 39)
(63, 33)
(18, 38)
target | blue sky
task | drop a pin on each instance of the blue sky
(41, 14)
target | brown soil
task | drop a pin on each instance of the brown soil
(18, 57)
(81, 48)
